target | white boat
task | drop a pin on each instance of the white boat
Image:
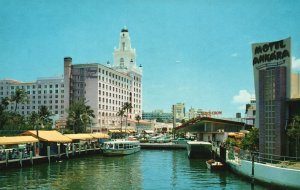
(200, 149)
(120, 147)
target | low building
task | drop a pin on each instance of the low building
(158, 115)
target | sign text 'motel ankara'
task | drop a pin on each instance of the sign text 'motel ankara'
(271, 51)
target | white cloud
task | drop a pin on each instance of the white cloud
(234, 55)
(242, 98)
(295, 64)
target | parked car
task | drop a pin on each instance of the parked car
(164, 140)
(180, 141)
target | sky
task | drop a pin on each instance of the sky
(192, 51)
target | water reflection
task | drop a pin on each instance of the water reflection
(148, 169)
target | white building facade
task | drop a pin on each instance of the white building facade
(44, 91)
(106, 87)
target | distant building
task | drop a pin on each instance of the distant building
(179, 111)
(106, 87)
(157, 115)
(194, 112)
(250, 112)
(44, 91)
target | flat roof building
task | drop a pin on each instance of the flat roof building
(48, 91)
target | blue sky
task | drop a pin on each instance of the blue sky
(193, 51)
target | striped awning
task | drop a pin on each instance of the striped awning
(17, 140)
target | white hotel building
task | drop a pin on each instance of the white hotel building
(104, 87)
(44, 91)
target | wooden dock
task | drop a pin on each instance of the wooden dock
(32, 160)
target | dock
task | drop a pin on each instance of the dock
(30, 161)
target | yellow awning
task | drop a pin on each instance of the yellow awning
(17, 140)
(114, 131)
(79, 136)
(100, 136)
(49, 136)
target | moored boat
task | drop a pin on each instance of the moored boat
(199, 149)
(214, 165)
(120, 147)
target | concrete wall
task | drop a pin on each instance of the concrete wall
(267, 173)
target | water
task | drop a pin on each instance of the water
(148, 169)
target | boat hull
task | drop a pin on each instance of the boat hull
(199, 149)
(215, 165)
(120, 152)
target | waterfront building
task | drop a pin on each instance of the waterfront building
(48, 91)
(157, 115)
(106, 87)
(272, 74)
(179, 111)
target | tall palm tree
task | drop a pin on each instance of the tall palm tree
(138, 118)
(127, 106)
(20, 96)
(79, 115)
(3, 113)
(121, 113)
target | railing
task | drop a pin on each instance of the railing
(281, 161)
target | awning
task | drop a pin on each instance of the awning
(17, 140)
(114, 131)
(130, 131)
(49, 136)
(79, 136)
(100, 135)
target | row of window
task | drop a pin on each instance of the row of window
(35, 86)
(34, 107)
(28, 112)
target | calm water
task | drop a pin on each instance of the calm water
(148, 169)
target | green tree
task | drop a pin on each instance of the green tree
(20, 96)
(3, 112)
(251, 140)
(121, 113)
(138, 118)
(78, 113)
(127, 106)
(293, 132)
(43, 116)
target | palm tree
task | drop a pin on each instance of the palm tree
(5, 102)
(79, 115)
(138, 118)
(127, 106)
(20, 96)
(121, 113)
(44, 115)
(3, 113)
